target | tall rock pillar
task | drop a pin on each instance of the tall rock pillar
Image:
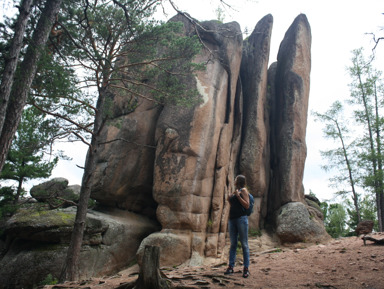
(289, 115)
(255, 146)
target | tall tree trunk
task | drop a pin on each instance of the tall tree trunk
(12, 58)
(70, 269)
(350, 174)
(19, 189)
(378, 189)
(380, 196)
(22, 84)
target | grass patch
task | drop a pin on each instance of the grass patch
(49, 280)
(254, 233)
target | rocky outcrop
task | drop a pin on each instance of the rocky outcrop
(38, 241)
(176, 165)
(252, 121)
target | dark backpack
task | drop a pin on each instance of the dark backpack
(249, 211)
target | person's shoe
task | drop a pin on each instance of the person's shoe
(245, 272)
(229, 271)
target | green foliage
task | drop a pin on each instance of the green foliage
(49, 280)
(324, 209)
(122, 51)
(367, 210)
(7, 202)
(255, 233)
(336, 129)
(220, 14)
(335, 221)
(159, 66)
(26, 157)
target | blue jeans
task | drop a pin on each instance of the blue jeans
(238, 227)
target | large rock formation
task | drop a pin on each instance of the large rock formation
(38, 242)
(177, 164)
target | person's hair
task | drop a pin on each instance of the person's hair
(240, 181)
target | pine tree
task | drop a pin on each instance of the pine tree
(121, 49)
(367, 97)
(21, 82)
(28, 157)
(340, 158)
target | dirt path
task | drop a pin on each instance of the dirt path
(343, 264)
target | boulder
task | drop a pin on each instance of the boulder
(295, 224)
(254, 161)
(364, 227)
(169, 243)
(48, 190)
(38, 242)
(56, 193)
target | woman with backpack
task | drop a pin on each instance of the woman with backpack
(239, 202)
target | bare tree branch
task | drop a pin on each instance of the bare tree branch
(67, 97)
(128, 141)
(135, 93)
(63, 117)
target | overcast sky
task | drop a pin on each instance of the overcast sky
(337, 26)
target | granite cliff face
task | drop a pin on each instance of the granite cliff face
(180, 163)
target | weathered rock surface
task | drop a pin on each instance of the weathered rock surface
(255, 145)
(314, 207)
(38, 242)
(289, 119)
(124, 175)
(364, 227)
(194, 146)
(48, 189)
(295, 224)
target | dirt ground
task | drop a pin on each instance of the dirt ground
(340, 263)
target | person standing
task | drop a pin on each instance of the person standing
(238, 224)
